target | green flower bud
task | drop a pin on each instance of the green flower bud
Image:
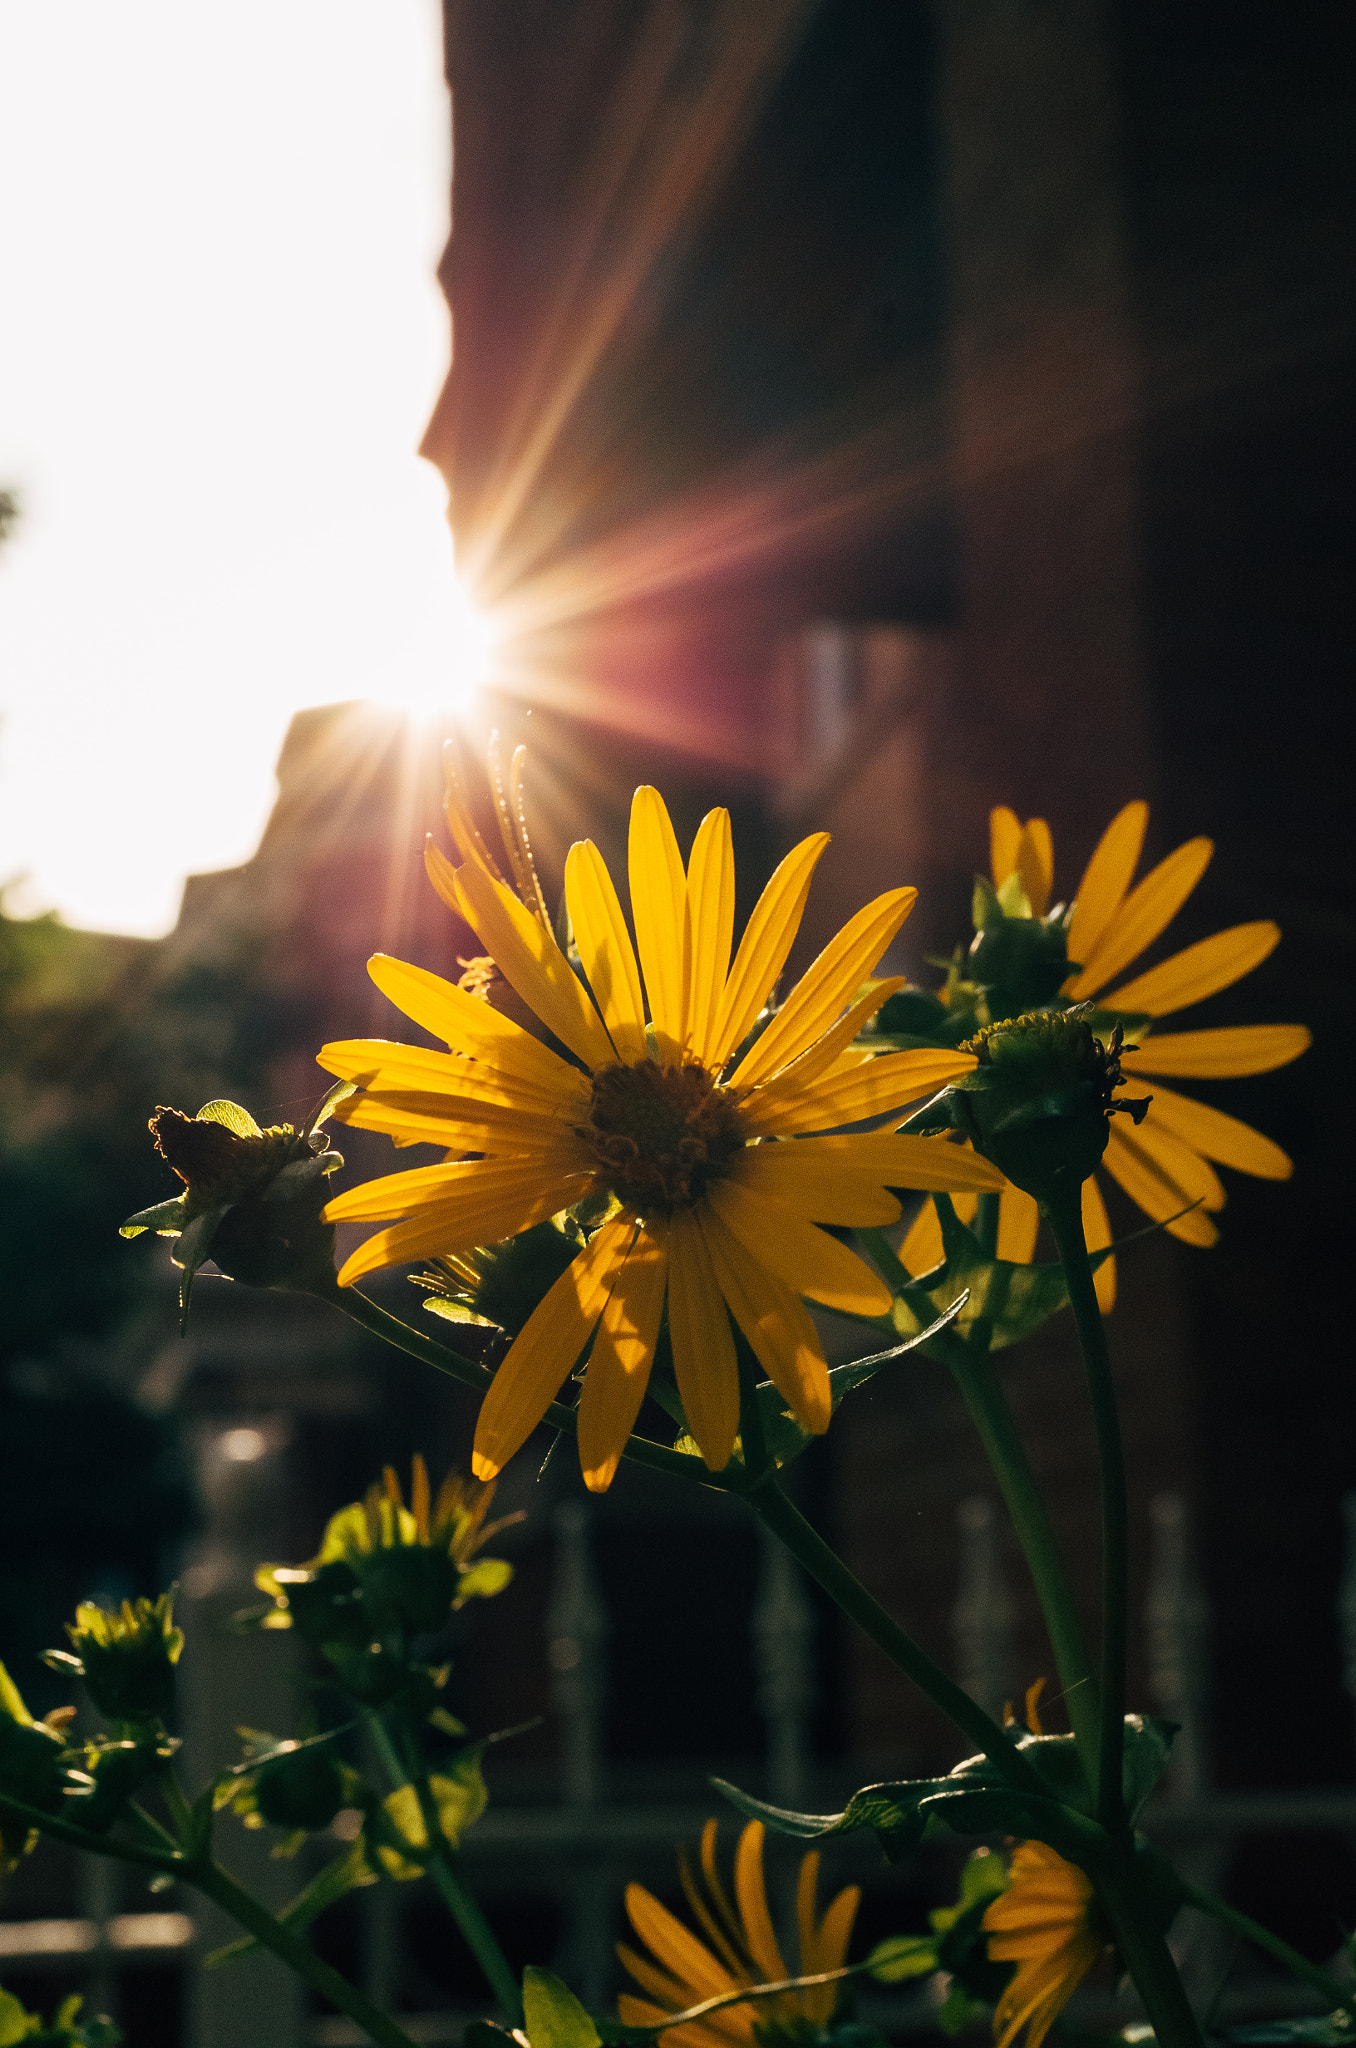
(33, 1768)
(1039, 1102)
(384, 1572)
(128, 1658)
(303, 1790)
(252, 1198)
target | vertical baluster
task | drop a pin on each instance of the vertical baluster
(981, 1620)
(1346, 1599)
(1176, 1629)
(576, 1646)
(783, 1644)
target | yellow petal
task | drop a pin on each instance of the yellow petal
(830, 1949)
(1218, 1136)
(768, 938)
(751, 1894)
(414, 1119)
(605, 949)
(474, 1027)
(531, 962)
(826, 987)
(922, 1246)
(450, 1186)
(703, 1348)
(822, 1187)
(1197, 972)
(1206, 1055)
(443, 876)
(806, 1930)
(870, 1090)
(1036, 864)
(686, 1959)
(659, 908)
(1145, 913)
(1019, 1220)
(777, 1324)
(468, 1219)
(545, 1349)
(385, 1066)
(1106, 880)
(832, 1055)
(805, 1257)
(460, 823)
(1096, 1235)
(1005, 832)
(619, 1364)
(711, 902)
(1146, 1182)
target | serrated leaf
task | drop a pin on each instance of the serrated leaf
(455, 1311)
(165, 1217)
(232, 1116)
(1011, 1300)
(1148, 1748)
(783, 1434)
(553, 2016)
(900, 1957)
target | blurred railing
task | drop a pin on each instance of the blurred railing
(580, 1849)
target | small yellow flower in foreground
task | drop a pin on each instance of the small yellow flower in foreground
(1164, 1165)
(740, 1949)
(723, 1163)
(1041, 1923)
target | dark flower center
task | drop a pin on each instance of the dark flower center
(661, 1134)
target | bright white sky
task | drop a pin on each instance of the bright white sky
(220, 342)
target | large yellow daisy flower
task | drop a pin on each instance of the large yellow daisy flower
(740, 1948)
(1165, 1163)
(723, 1159)
(1041, 1923)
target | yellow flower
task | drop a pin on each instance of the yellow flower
(1041, 1923)
(740, 1949)
(1165, 1164)
(722, 1161)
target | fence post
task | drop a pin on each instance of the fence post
(1176, 1626)
(577, 1629)
(1346, 1598)
(783, 1641)
(981, 1620)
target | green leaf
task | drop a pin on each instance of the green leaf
(13, 2020)
(983, 1877)
(231, 1116)
(959, 2011)
(483, 1579)
(902, 1956)
(554, 2017)
(1148, 1746)
(165, 1217)
(1010, 1300)
(455, 1311)
(783, 1434)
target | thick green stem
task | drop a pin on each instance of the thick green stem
(1143, 1948)
(993, 1418)
(298, 1955)
(478, 1377)
(1066, 1220)
(441, 1868)
(1336, 1993)
(828, 1570)
(444, 1869)
(975, 1374)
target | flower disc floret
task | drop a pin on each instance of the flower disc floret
(661, 1135)
(723, 1155)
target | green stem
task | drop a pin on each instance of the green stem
(982, 1392)
(298, 1955)
(1064, 1212)
(986, 1225)
(976, 1375)
(828, 1570)
(1143, 1948)
(478, 1377)
(1337, 1994)
(465, 1909)
(169, 1859)
(441, 1867)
